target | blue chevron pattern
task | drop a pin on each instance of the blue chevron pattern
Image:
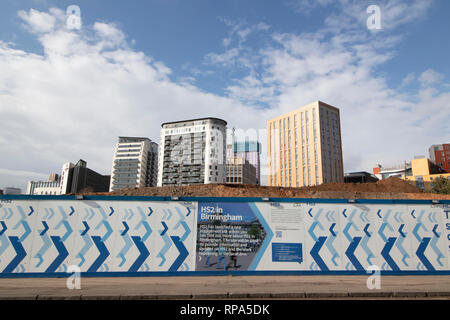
(62, 254)
(104, 253)
(143, 254)
(4, 227)
(165, 248)
(20, 254)
(37, 237)
(365, 246)
(399, 246)
(350, 253)
(421, 254)
(127, 246)
(385, 253)
(183, 253)
(315, 253)
(87, 245)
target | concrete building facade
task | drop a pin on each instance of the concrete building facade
(240, 171)
(192, 152)
(247, 150)
(135, 163)
(305, 147)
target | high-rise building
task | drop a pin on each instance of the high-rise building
(304, 147)
(247, 150)
(192, 152)
(240, 171)
(135, 163)
(440, 155)
(74, 178)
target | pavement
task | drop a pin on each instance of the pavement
(229, 287)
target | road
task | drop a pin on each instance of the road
(223, 287)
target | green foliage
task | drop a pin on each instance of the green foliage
(441, 185)
(255, 231)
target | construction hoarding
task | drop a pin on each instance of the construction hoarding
(43, 236)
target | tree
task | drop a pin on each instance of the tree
(441, 185)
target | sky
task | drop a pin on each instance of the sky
(67, 93)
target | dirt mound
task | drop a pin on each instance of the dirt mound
(392, 188)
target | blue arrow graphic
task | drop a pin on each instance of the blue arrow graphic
(46, 245)
(20, 255)
(365, 246)
(189, 212)
(4, 227)
(402, 250)
(378, 213)
(315, 253)
(126, 247)
(165, 228)
(124, 232)
(412, 213)
(5, 244)
(181, 257)
(83, 232)
(433, 246)
(87, 245)
(62, 254)
(329, 245)
(331, 230)
(350, 253)
(311, 229)
(165, 248)
(309, 212)
(434, 231)
(400, 230)
(44, 231)
(343, 212)
(68, 230)
(150, 212)
(112, 211)
(26, 228)
(31, 211)
(366, 230)
(104, 253)
(108, 229)
(385, 254)
(142, 256)
(421, 254)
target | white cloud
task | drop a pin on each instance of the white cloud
(76, 99)
(379, 123)
(430, 77)
(90, 87)
(225, 59)
(408, 79)
(38, 22)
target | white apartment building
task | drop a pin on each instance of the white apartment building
(56, 184)
(192, 152)
(134, 163)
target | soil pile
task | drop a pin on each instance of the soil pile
(392, 188)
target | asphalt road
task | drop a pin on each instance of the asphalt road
(223, 287)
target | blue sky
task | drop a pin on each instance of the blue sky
(151, 61)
